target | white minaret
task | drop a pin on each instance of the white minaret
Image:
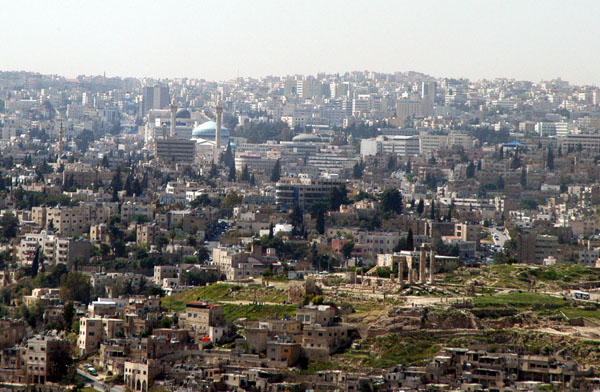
(219, 120)
(173, 108)
(61, 137)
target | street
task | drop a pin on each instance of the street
(96, 383)
(498, 236)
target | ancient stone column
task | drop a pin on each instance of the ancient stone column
(431, 265)
(422, 266)
(401, 272)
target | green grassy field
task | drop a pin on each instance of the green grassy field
(257, 312)
(545, 305)
(390, 350)
(224, 292)
(523, 277)
(517, 299)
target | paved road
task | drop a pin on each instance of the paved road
(500, 235)
(98, 384)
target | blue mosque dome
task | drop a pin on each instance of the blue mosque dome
(208, 130)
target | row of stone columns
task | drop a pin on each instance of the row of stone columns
(420, 275)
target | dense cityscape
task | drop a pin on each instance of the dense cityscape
(347, 232)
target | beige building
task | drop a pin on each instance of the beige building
(201, 316)
(316, 314)
(167, 274)
(11, 332)
(92, 331)
(99, 233)
(320, 341)
(175, 150)
(42, 352)
(129, 210)
(254, 162)
(147, 234)
(55, 249)
(283, 353)
(67, 221)
(139, 376)
(303, 191)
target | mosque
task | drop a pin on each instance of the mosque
(205, 134)
(175, 131)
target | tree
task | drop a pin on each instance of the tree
(162, 242)
(202, 254)
(320, 223)
(252, 180)
(421, 207)
(228, 159)
(523, 178)
(408, 167)
(500, 182)
(199, 278)
(357, 170)
(75, 287)
(392, 163)
(144, 182)
(213, 171)
(271, 231)
(231, 176)
(550, 159)
(68, 315)
(516, 161)
(317, 211)
(448, 217)
(296, 216)
(231, 200)
(391, 201)
(470, 170)
(347, 249)
(276, 172)
(432, 211)
(9, 225)
(116, 184)
(245, 177)
(105, 161)
(35, 264)
(201, 201)
(410, 242)
(129, 184)
(117, 181)
(83, 140)
(338, 196)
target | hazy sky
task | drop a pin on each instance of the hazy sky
(218, 40)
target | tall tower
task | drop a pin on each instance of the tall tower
(428, 97)
(61, 136)
(218, 127)
(173, 108)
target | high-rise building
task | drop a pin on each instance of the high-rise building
(428, 97)
(309, 88)
(155, 97)
(175, 150)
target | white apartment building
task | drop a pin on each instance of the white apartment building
(130, 210)
(55, 249)
(402, 146)
(67, 221)
(254, 162)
